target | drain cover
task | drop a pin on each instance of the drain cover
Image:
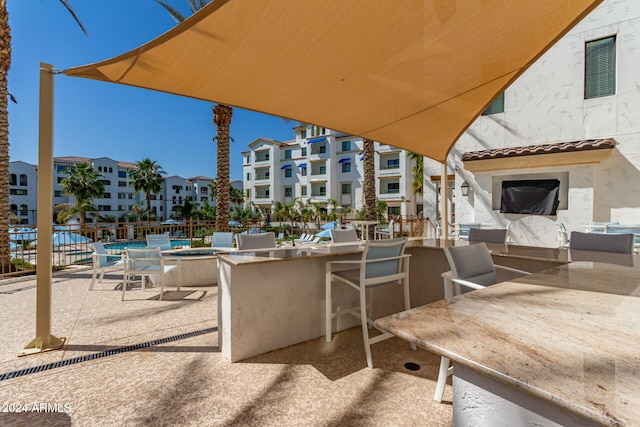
(412, 366)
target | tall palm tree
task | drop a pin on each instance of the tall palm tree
(5, 64)
(147, 178)
(417, 173)
(369, 183)
(83, 183)
(222, 119)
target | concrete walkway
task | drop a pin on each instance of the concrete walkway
(145, 362)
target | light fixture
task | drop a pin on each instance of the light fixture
(465, 188)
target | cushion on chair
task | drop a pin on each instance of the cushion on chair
(99, 249)
(490, 235)
(343, 236)
(256, 241)
(619, 243)
(222, 239)
(377, 250)
(472, 263)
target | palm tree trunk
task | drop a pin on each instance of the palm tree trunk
(369, 184)
(5, 63)
(222, 119)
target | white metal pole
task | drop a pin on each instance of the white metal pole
(444, 202)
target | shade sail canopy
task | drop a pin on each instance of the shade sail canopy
(412, 74)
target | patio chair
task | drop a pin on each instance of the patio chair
(222, 240)
(598, 226)
(256, 241)
(162, 241)
(624, 229)
(385, 232)
(488, 235)
(471, 267)
(144, 262)
(344, 236)
(601, 242)
(101, 262)
(382, 263)
(563, 235)
(310, 242)
(463, 229)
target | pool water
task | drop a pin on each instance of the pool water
(138, 244)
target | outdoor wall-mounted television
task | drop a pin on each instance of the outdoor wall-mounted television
(531, 196)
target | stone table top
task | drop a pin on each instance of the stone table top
(289, 253)
(569, 335)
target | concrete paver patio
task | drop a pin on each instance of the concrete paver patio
(150, 362)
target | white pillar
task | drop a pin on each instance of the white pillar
(444, 204)
(44, 340)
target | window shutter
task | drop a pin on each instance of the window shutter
(600, 67)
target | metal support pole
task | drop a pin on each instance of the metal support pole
(44, 341)
(444, 202)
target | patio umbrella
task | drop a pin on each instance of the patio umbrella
(19, 234)
(172, 222)
(62, 238)
(325, 234)
(234, 224)
(331, 225)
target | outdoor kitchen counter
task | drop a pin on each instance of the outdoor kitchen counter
(563, 343)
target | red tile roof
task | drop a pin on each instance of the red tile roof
(530, 150)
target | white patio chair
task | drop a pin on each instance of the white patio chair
(563, 235)
(222, 240)
(601, 242)
(488, 235)
(463, 229)
(162, 241)
(383, 263)
(144, 262)
(344, 236)
(471, 267)
(101, 262)
(256, 241)
(310, 242)
(624, 229)
(385, 232)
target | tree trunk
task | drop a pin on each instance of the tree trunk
(369, 184)
(5, 63)
(222, 119)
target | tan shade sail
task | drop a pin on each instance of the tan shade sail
(412, 74)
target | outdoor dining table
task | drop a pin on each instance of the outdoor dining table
(365, 227)
(559, 346)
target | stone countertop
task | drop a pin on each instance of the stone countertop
(569, 335)
(289, 253)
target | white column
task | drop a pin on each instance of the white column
(444, 205)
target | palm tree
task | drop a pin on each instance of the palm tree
(83, 183)
(236, 196)
(222, 119)
(369, 183)
(417, 173)
(147, 177)
(5, 64)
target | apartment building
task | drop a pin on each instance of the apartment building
(571, 118)
(320, 165)
(119, 197)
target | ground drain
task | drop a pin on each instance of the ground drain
(412, 366)
(112, 352)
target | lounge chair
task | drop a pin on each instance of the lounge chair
(256, 241)
(222, 240)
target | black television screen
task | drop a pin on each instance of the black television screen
(532, 196)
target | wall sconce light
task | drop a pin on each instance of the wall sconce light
(465, 188)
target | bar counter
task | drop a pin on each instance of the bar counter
(562, 344)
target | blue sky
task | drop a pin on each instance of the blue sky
(95, 119)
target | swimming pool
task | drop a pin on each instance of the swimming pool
(137, 244)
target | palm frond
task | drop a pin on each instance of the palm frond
(67, 5)
(173, 12)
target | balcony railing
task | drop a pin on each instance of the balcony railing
(386, 167)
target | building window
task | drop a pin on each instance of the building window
(287, 173)
(24, 210)
(346, 145)
(303, 171)
(60, 178)
(57, 193)
(600, 68)
(303, 190)
(393, 187)
(16, 192)
(287, 154)
(61, 168)
(99, 168)
(14, 209)
(248, 176)
(346, 189)
(247, 159)
(323, 191)
(303, 151)
(13, 180)
(496, 106)
(248, 193)
(122, 183)
(23, 179)
(303, 134)
(122, 174)
(346, 167)
(322, 149)
(288, 192)
(110, 170)
(393, 163)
